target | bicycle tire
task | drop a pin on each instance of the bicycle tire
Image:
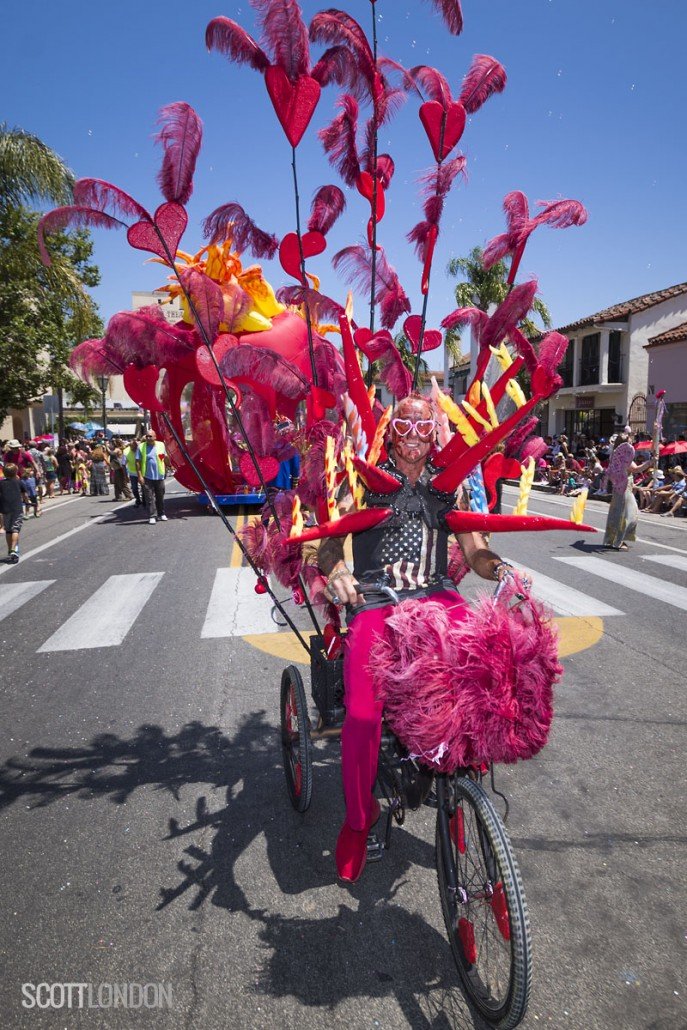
(295, 739)
(502, 914)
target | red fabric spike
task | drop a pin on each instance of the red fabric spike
(484, 78)
(327, 206)
(523, 347)
(355, 522)
(339, 140)
(376, 479)
(498, 466)
(357, 390)
(230, 39)
(451, 12)
(96, 193)
(207, 299)
(476, 522)
(285, 32)
(230, 220)
(72, 216)
(180, 135)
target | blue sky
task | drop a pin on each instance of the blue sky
(593, 110)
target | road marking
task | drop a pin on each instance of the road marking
(107, 616)
(671, 560)
(234, 608)
(236, 552)
(14, 595)
(563, 599)
(58, 540)
(649, 586)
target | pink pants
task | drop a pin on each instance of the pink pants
(362, 728)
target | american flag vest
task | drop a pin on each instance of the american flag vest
(410, 550)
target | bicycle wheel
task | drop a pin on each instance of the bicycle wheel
(483, 903)
(295, 739)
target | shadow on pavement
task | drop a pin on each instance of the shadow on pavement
(371, 948)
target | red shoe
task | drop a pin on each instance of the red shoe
(351, 846)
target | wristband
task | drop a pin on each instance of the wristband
(497, 570)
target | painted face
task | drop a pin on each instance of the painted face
(410, 443)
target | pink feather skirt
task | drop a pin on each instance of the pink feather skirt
(468, 685)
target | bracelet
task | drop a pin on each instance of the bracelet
(496, 571)
(337, 575)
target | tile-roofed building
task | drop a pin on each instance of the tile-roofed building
(610, 373)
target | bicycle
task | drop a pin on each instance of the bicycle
(480, 888)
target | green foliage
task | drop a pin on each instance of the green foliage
(44, 312)
(483, 287)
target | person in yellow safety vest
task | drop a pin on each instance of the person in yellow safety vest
(151, 464)
(130, 452)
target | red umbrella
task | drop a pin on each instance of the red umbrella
(680, 447)
(643, 445)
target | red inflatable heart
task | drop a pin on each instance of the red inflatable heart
(268, 466)
(206, 366)
(140, 384)
(169, 222)
(294, 103)
(289, 252)
(430, 340)
(373, 345)
(432, 116)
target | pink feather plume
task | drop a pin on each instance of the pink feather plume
(339, 140)
(451, 12)
(230, 220)
(284, 31)
(336, 27)
(103, 196)
(327, 206)
(72, 216)
(230, 39)
(430, 82)
(180, 135)
(265, 367)
(321, 307)
(207, 299)
(484, 78)
(356, 266)
(560, 214)
(93, 358)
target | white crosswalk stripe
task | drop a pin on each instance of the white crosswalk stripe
(673, 561)
(14, 595)
(235, 609)
(649, 586)
(562, 599)
(107, 616)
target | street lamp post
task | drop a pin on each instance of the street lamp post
(104, 381)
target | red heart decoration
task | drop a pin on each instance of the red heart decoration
(431, 338)
(289, 253)
(364, 184)
(206, 366)
(141, 383)
(294, 103)
(432, 115)
(268, 466)
(373, 345)
(171, 221)
(319, 400)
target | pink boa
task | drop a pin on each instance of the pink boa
(462, 693)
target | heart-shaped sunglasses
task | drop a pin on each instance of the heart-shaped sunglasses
(424, 427)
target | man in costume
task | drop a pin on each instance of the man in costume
(410, 554)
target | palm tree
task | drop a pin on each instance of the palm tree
(30, 170)
(482, 288)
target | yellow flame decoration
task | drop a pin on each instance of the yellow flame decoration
(378, 442)
(474, 396)
(491, 410)
(330, 479)
(296, 517)
(448, 405)
(514, 391)
(526, 480)
(577, 510)
(502, 355)
(354, 484)
(474, 413)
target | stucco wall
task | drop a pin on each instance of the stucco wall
(668, 370)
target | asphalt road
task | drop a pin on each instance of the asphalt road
(147, 836)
